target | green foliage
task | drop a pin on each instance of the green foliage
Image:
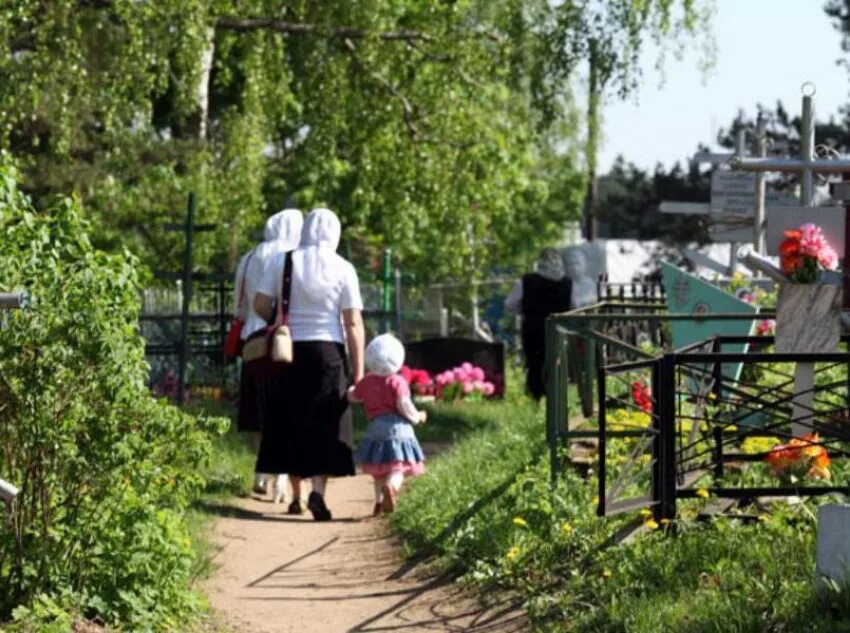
(445, 130)
(488, 510)
(105, 471)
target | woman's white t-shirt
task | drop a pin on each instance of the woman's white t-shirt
(311, 319)
(250, 270)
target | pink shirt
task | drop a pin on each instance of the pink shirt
(380, 394)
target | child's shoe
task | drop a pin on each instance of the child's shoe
(389, 502)
(295, 507)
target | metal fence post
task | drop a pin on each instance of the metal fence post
(552, 397)
(600, 379)
(187, 298)
(667, 437)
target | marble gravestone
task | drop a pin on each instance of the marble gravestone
(808, 316)
(833, 542)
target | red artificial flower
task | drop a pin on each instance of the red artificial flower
(641, 396)
(789, 251)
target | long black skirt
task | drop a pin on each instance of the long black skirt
(250, 383)
(306, 415)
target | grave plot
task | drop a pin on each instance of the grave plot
(705, 430)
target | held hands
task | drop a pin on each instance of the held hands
(421, 416)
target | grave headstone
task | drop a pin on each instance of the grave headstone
(688, 294)
(438, 354)
(833, 546)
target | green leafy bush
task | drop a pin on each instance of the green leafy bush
(105, 470)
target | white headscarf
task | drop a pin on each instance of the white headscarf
(282, 233)
(314, 267)
(550, 265)
(384, 355)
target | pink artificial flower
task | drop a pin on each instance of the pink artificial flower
(459, 374)
(466, 367)
(489, 389)
(477, 373)
(467, 387)
(406, 373)
(478, 385)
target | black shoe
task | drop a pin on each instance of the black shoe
(316, 506)
(295, 507)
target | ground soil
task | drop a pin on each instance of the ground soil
(279, 573)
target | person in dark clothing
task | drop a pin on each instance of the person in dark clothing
(546, 291)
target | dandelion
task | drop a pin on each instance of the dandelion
(652, 524)
(566, 528)
(595, 501)
(665, 521)
(646, 512)
(519, 521)
(703, 493)
(606, 573)
(763, 518)
(512, 553)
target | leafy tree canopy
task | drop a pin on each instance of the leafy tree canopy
(427, 125)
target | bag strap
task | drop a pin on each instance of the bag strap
(242, 283)
(285, 291)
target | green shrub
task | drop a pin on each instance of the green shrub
(105, 470)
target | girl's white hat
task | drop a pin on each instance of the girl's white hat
(384, 355)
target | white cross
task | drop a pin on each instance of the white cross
(807, 165)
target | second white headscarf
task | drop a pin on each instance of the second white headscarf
(314, 263)
(282, 233)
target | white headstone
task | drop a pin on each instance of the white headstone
(833, 560)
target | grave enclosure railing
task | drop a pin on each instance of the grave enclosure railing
(708, 409)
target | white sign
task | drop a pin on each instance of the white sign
(781, 219)
(733, 193)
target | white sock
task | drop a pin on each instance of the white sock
(259, 480)
(280, 488)
(319, 484)
(379, 482)
(395, 479)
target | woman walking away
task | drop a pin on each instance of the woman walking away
(282, 233)
(310, 434)
(546, 291)
(390, 449)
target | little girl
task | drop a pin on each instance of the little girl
(390, 449)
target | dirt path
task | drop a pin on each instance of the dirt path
(279, 573)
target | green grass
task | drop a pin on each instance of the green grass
(486, 509)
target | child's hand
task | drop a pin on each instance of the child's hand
(350, 394)
(423, 415)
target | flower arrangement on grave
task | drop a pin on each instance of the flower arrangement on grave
(641, 396)
(805, 253)
(419, 380)
(465, 381)
(802, 456)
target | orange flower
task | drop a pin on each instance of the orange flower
(789, 250)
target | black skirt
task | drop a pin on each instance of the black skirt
(248, 418)
(306, 414)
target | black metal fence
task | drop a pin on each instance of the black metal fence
(706, 407)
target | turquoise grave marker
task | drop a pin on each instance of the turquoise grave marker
(688, 294)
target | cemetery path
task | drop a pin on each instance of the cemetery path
(277, 573)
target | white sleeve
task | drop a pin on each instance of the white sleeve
(271, 276)
(237, 288)
(350, 298)
(513, 302)
(406, 409)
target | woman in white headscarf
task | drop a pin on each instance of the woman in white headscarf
(311, 435)
(282, 233)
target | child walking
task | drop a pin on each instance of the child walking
(390, 449)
